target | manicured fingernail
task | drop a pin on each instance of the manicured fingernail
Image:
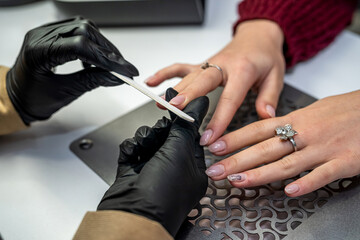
(270, 110)
(239, 177)
(215, 170)
(217, 146)
(179, 99)
(149, 79)
(205, 137)
(292, 188)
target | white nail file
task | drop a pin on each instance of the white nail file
(155, 97)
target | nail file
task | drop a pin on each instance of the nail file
(155, 97)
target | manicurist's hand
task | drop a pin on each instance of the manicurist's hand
(328, 143)
(252, 60)
(161, 172)
(37, 92)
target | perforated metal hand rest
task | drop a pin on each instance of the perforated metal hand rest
(229, 213)
(263, 212)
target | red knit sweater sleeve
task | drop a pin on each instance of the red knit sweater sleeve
(308, 25)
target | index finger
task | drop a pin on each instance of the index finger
(87, 28)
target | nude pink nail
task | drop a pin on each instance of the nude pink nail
(179, 99)
(238, 177)
(270, 110)
(215, 170)
(217, 146)
(149, 79)
(205, 137)
(292, 188)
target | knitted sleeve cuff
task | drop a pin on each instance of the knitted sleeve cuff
(308, 25)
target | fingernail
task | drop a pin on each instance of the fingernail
(217, 146)
(163, 96)
(292, 188)
(270, 110)
(215, 170)
(239, 177)
(149, 79)
(205, 137)
(179, 99)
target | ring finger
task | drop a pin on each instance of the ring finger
(264, 152)
(250, 134)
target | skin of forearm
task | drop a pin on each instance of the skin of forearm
(260, 28)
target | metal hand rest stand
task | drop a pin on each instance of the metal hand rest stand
(226, 212)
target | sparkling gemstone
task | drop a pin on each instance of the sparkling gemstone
(283, 137)
(290, 133)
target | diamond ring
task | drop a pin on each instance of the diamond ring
(287, 133)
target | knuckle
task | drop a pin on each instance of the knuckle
(230, 100)
(231, 164)
(143, 132)
(223, 57)
(89, 22)
(85, 26)
(257, 127)
(176, 66)
(287, 163)
(165, 72)
(264, 148)
(253, 177)
(193, 91)
(351, 162)
(244, 65)
(79, 41)
(78, 18)
(330, 171)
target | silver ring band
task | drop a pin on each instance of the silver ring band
(206, 65)
(291, 139)
(287, 133)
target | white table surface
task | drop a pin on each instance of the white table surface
(44, 188)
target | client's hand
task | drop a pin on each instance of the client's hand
(161, 173)
(37, 92)
(327, 143)
(253, 59)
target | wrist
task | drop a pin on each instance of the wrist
(13, 92)
(261, 28)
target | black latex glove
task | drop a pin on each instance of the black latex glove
(37, 92)
(161, 173)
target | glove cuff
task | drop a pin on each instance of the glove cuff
(11, 91)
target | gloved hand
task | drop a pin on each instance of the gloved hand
(161, 170)
(37, 92)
